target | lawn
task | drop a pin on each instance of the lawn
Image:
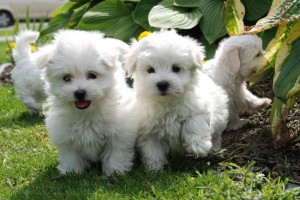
(3, 55)
(6, 32)
(28, 170)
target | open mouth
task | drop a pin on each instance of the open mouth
(82, 104)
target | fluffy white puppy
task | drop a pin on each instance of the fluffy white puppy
(28, 84)
(89, 116)
(180, 109)
(234, 62)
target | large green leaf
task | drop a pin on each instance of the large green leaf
(281, 10)
(267, 36)
(288, 81)
(212, 23)
(111, 17)
(256, 9)
(61, 17)
(234, 15)
(77, 15)
(287, 66)
(187, 3)
(166, 15)
(279, 112)
(210, 49)
(141, 12)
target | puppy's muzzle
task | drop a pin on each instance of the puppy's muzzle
(81, 103)
(163, 87)
(80, 94)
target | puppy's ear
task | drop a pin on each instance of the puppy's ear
(44, 55)
(198, 56)
(110, 60)
(131, 58)
(229, 59)
(118, 46)
(196, 51)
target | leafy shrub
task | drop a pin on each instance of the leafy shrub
(277, 23)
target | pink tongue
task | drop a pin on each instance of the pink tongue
(82, 104)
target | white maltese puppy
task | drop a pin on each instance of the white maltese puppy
(89, 117)
(234, 62)
(28, 84)
(180, 109)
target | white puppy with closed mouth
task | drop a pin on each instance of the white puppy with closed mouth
(89, 117)
(235, 61)
(28, 84)
(179, 108)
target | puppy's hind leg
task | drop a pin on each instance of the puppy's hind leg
(153, 151)
(196, 134)
(234, 122)
(216, 142)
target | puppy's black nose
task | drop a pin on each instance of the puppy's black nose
(162, 85)
(80, 94)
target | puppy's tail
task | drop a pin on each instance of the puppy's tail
(23, 40)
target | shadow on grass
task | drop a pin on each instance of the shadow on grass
(139, 183)
(24, 120)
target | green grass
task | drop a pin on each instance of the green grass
(6, 32)
(28, 164)
(3, 54)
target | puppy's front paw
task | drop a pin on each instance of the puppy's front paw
(259, 104)
(109, 169)
(64, 170)
(264, 102)
(199, 147)
(156, 165)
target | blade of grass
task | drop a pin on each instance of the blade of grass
(27, 20)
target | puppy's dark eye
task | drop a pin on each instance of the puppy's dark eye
(259, 54)
(151, 70)
(91, 75)
(67, 78)
(175, 68)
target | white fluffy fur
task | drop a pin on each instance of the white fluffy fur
(190, 114)
(28, 84)
(235, 61)
(104, 131)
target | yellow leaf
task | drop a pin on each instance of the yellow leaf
(274, 16)
(234, 15)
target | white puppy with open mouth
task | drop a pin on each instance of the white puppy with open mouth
(179, 108)
(28, 83)
(234, 62)
(89, 117)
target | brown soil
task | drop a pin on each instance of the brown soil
(253, 142)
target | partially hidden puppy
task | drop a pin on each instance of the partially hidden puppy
(234, 62)
(89, 108)
(28, 84)
(180, 109)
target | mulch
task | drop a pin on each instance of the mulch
(253, 142)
